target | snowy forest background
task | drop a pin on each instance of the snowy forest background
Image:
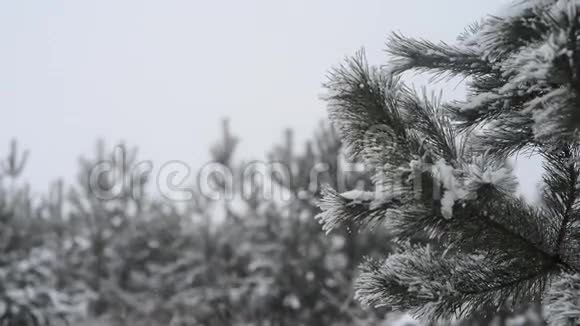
(401, 201)
(68, 256)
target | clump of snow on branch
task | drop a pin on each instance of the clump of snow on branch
(358, 196)
(462, 183)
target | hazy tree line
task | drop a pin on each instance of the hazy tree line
(138, 259)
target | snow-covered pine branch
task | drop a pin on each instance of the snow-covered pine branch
(443, 166)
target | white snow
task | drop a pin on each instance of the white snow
(358, 196)
(403, 320)
(454, 191)
(478, 101)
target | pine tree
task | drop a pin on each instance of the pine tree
(31, 292)
(102, 210)
(441, 169)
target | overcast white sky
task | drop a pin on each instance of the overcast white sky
(161, 74)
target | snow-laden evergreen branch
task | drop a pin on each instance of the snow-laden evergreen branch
(433, 285)
(442, 58)
(525, 61)
(363, 103)
(561, 197)
(441, 169)
(356, 207)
